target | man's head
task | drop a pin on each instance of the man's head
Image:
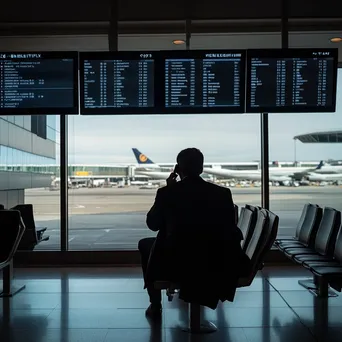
(190, 162)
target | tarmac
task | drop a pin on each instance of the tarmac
(114, 219)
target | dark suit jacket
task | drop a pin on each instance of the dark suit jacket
(198, 242)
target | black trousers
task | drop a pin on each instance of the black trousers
(145, 246)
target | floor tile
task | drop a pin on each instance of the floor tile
(155, 334)
(105, 301)
(279, 334)
(320, 317)
(55, 335)
(98, 319)
(26, 301)
(226, 335)
(308, 299)
(242, 300)
(25, 319)
(287, 284)
(237, 317)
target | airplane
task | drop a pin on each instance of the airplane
(148, 168)
(276, 174)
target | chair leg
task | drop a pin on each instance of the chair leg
(196, 326)
(8, 289)
(320, 289)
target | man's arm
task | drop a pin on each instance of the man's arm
(231, 215)
(155, 218)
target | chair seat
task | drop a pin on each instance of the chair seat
(315, 264)
(329, 272)
(293, 244)
(309, 258)
(285, 240)
(301, 258)
(291, 252)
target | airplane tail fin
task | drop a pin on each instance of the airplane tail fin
(141, 158)
(319, 166)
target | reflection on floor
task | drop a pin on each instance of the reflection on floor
(96, 305)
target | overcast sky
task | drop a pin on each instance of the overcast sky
(222, 138)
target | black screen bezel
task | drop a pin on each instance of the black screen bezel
(129, 55)
(48, 110)
(289, 53)
(199, 54)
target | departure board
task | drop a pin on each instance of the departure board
(204, 81)
(291, 80)
(117, 82)
(38, 83)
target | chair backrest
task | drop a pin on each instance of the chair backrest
(11, 232)
(236, 211)
(265, 233)
(272, 233)
(301, 219)
(2, 207)
(310, 225)
(258, 238)
(327, 231)
(338, 246)
(26, 211)
(251, 207)
(246, 224)
(252, 226)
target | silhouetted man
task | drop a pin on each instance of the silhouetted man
(195, 221)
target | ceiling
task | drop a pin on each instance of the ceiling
(24, 17)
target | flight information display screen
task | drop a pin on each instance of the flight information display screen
(117, 82)
(38, 83)
(291, 80)
(204, 81)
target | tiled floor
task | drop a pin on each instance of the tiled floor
(97, 305)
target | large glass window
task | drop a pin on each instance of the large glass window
(311, 182)
(29, 174)
(110, 193)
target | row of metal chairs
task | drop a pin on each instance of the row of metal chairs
(33, 235)
(13, 229)
(259, 227)
(317, 246)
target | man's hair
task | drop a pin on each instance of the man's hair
(190, 161)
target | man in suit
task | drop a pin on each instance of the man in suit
(195, 221)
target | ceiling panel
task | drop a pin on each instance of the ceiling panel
(164, 42)
(137, 10)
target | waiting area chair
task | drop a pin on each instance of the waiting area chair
(12, 230)
(33, 235)
(263, 236)
(323, 256)
(306, 230)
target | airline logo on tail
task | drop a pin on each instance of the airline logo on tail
(141, 158)
(319, 166)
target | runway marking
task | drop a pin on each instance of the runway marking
(98, 207)
(70, 239)
(107, 230)
(79, 206)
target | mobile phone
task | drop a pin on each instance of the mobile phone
(176, 169)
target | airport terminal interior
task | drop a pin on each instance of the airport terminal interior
(96, 101)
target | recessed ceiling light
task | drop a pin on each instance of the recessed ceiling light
(178, 41)
(336, 40)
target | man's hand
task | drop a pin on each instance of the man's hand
(172, 179)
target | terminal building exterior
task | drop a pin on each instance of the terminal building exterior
(24, 141)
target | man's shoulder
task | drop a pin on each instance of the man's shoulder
(217, 188)
(163, 190)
